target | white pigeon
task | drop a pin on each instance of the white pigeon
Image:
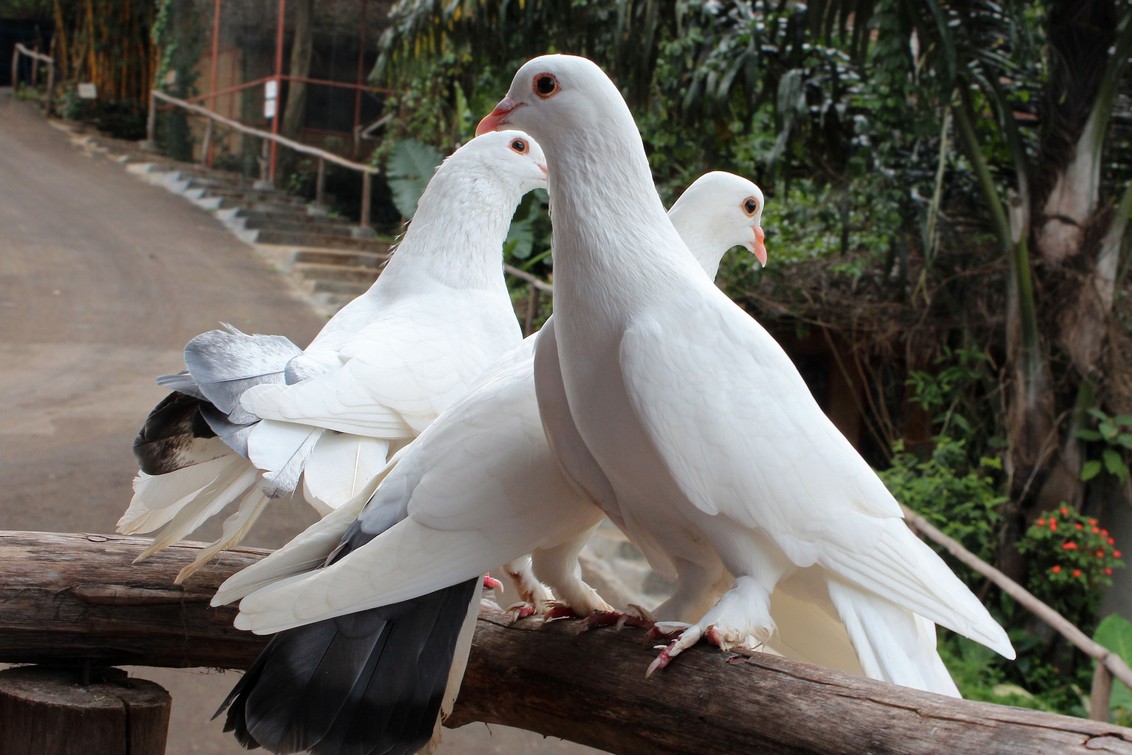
(376, 375)
(691, 426)
(480, 485)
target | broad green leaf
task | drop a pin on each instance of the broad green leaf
(1089, 470)
(520, 238)
(408, 171)
(1115, 633)
(1091, 435)
(1114, 464)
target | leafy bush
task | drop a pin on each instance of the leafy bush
(942, 486)
(1071, 560)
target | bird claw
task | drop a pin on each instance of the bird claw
(521, 610)
(617, 619)
(687, 639)
(491, 583)
(558, 611)
(666, 630)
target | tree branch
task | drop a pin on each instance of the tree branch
(77, 597)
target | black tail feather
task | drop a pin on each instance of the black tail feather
(172, 434)
(370, 682)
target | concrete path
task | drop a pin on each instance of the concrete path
(103, 278)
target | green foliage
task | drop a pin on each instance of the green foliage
(1115, 633)
(180, 35)
(408, 170)
(1112, 437)
(1071, 559)
(959, 498)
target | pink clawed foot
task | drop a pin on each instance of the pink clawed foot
(491, 583)
(687, 639)
(521, 610)
(559, 611)
(641, 619)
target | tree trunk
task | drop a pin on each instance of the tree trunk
(1074, 271)
(295, 110)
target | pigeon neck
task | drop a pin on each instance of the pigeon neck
(608, 219)
(456, 236)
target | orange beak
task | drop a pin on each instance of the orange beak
(758, 247)
(497, 118)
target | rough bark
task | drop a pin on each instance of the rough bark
(72, 597)
(295, 110)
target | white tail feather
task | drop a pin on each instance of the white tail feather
(414, 560)
(892, 643)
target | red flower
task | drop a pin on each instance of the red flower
(1104, 533)
(1095, 530)
(1108, 571)
(1069, 546)
(1064, 511)
(1056, 569)
(1093, 521)
(1078, 526)
(1111, 541)
(1116, 554)
(1100, 554)
(1041, 522)
(1076, 572)
(1053, 525)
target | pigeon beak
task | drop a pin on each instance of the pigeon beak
(758, 247)
(497, 118)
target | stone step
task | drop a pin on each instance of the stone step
(319, 274)
(292, 221)
(300, 239)
(334, 257)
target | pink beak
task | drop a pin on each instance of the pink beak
(497, 118)
(758, 247)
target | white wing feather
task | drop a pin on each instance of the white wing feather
(777, 464)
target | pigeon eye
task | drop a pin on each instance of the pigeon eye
(545, 85)
(520, 146)
(750, 206)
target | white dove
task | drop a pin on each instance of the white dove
(375, 376)
(479, 486)
(690, 425)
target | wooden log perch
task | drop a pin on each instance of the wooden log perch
(71, 597)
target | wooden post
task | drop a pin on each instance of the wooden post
(367, 194)
(15, 71)
(1101, 693)
(206, 144)
(320, 184)
(151, 123)
(533, 300)
(57, 711)
(35, 70)
(50, 88)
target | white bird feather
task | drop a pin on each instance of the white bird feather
(378, 373)
(717, 457)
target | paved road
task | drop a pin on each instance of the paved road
(103, 278)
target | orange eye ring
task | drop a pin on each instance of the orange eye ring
(544, 85)
(520, 146)
(750, 206)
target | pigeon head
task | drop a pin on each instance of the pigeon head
(512, 157)
(720, 210)
(555, 93)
